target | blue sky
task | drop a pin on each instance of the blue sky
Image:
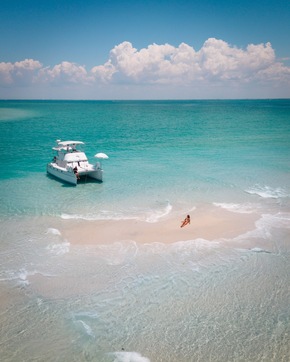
(144, 49)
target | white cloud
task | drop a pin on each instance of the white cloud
(155, 64)
(5, 73)
(215, 61)
(275, 72)
(21, 73)
(218, 60)
(64, 73)
(216, 64)
(104, 72)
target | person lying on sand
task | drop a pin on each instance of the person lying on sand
(185, 221)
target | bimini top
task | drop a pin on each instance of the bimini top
(63, 144)
(68, 143)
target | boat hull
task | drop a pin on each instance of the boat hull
(62, 174)
(97, 174)
(70, 177)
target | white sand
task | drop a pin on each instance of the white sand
(207, 223)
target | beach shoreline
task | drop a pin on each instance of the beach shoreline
(206, 223)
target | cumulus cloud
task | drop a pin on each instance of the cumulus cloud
(64, 73)
(104, 72)
(155, 64)
(216, 62)
(21, 73)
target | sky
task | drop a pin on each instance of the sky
(153, 49)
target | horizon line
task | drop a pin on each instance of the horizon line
(141, 99)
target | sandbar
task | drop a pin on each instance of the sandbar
(206, 223)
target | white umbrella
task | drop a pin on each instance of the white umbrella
(101, 155)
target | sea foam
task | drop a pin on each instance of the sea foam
(21, 276)
(150, 215)
(260, 250)
(60, 248)
(129, 357)
(238, 208)
(85, 328)
(53, 231)
(267, 192)
(265, 225)
(154, 216)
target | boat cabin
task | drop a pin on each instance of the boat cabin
(68, 155)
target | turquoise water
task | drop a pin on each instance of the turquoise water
(198, 300)
(159, 152)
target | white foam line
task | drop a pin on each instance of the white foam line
(159, 214)
(53, 231)
(267, 192)
(22, 275)
(150, 216)
(86, 328)
(265, 224)
(260, 250)
(237, 208)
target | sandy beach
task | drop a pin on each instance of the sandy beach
(206, 223)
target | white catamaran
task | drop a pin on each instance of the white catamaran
(70, 164)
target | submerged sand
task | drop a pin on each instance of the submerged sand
(206, 223)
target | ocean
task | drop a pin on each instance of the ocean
(201, 299)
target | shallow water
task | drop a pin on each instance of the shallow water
(195, 300)
(187, 301)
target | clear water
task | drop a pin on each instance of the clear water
(199, 300)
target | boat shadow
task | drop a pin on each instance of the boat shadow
(82, 181)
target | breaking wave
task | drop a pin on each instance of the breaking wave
(238, 208)
(267, 192)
